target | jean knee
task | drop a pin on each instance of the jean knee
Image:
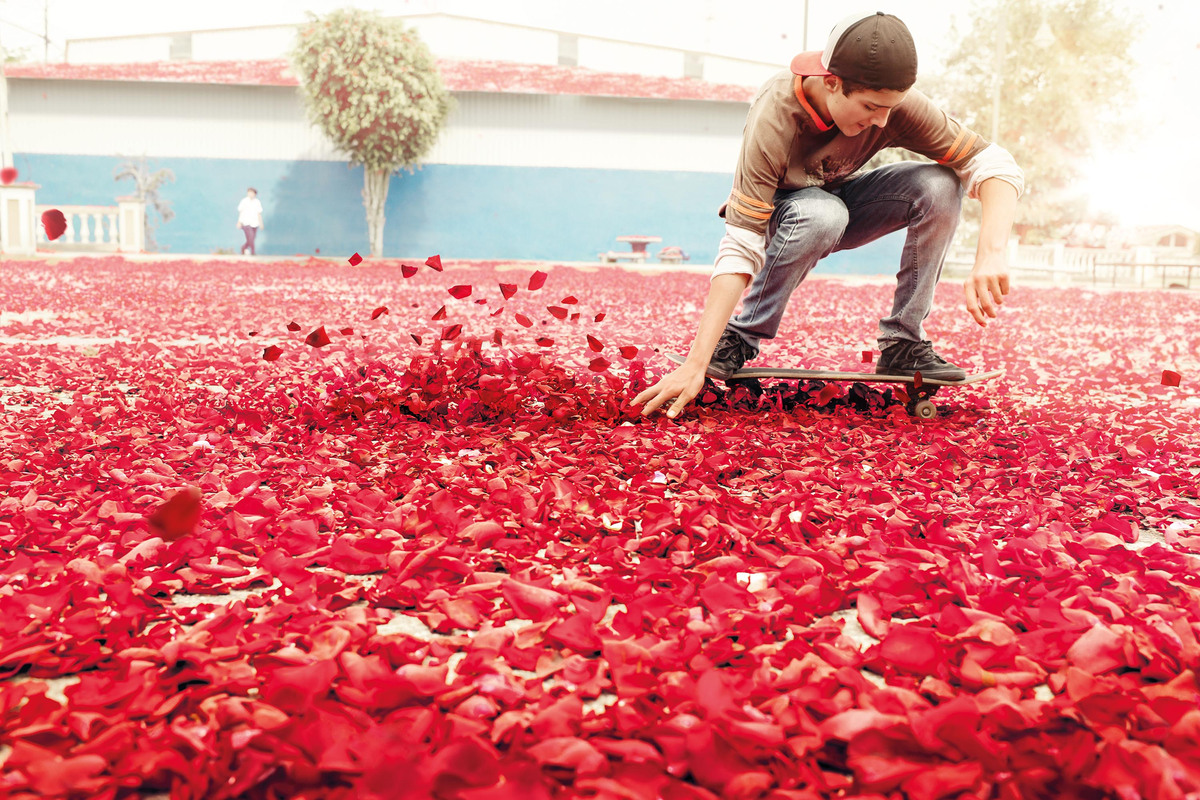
(823, 222)
(940, 188)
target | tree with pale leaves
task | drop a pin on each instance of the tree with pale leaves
(372, 86)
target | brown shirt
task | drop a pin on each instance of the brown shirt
(787, 146)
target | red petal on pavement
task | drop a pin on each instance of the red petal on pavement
(346, 331)
(434, 262)
(439, 314)
(407, 270)
(537, 280)
(355, 260)
(545, 341)
(54, 222)
(497, 312)
(599, 364)
(318, 338)
(557, 311)
(272, 353)
(459, 292)
(293, 326)
(594, 344)
(508, 290)
(177, 516)
(415, 338)
(451, 332)
(481, 301)
(379, 312)
(600, 317)
(569, 300)
(867, 356)
(1170, 378)
(498, 337)
(523, 320)
(629, 351)
(912, 648)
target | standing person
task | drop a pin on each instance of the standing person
(797, 197)
(250, 218)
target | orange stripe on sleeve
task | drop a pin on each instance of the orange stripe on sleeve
(746, 212)
(750, 201)
(953, 147)
(966, 148)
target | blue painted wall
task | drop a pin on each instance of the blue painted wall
(484, 212)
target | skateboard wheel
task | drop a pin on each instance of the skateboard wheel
(925, 410)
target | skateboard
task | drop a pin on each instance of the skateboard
(919, 404)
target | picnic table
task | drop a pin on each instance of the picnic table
(637, 251)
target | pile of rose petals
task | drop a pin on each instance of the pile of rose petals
(309, 530)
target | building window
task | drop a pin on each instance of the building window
(693, 66)
(181, 47)
(568, 50)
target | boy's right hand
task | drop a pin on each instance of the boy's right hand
(683, 384)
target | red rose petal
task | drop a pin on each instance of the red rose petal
(434, 262)
(415, 338)
(8, 175)
(569, 300)
(272, 353)
(497, 312)
(439, 314)
(523, 320)
(918, 381)
(346, 331)
(599, 364)
(629, 351)
(545, 341)
(1170, 378)
(293, 326)
(252, 333)
(560, 313)
(54, 222)
(537, 280)
(508, 290)
(355, 260)
(498, 337)
(451, 332)
(178, 515)
(407, 270)
(481, 301)
(459, 292)
(379, 312)
(318, 338)
(600, 317)
(594, 344)
(867, 356)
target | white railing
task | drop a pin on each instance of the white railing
(1144, 266)
(88, 228)
(98, 229)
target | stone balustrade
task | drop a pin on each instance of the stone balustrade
(98, 229)
(89, 228)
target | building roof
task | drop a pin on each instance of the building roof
(458, 76)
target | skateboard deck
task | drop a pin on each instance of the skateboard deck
(920, 405)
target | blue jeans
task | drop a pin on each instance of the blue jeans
(809, 224)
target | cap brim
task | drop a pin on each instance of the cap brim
(808, 64)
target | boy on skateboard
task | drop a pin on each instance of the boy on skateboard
(797, 198)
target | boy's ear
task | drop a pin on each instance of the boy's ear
(833, 84)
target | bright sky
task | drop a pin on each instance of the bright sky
(1151, 180)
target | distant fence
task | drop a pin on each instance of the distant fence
(1140, 266)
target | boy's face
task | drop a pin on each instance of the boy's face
(855, 113)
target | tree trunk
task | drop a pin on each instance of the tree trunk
(375, 192)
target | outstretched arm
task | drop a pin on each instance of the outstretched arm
(685, 382)
(988, 283)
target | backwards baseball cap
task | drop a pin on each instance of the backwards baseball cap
(872, 49)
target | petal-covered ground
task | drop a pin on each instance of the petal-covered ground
(307, 530)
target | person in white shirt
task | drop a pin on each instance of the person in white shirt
(250, 218)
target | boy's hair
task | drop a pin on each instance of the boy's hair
(849, 87)
(251, 189)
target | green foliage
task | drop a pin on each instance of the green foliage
(372, 86)
(1059, 97)
(145, 187)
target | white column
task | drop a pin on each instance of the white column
(132, 212)
(18, 222)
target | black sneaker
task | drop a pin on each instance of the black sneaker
(731, 353)
(906, 357)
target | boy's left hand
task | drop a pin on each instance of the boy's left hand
(986, 287)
